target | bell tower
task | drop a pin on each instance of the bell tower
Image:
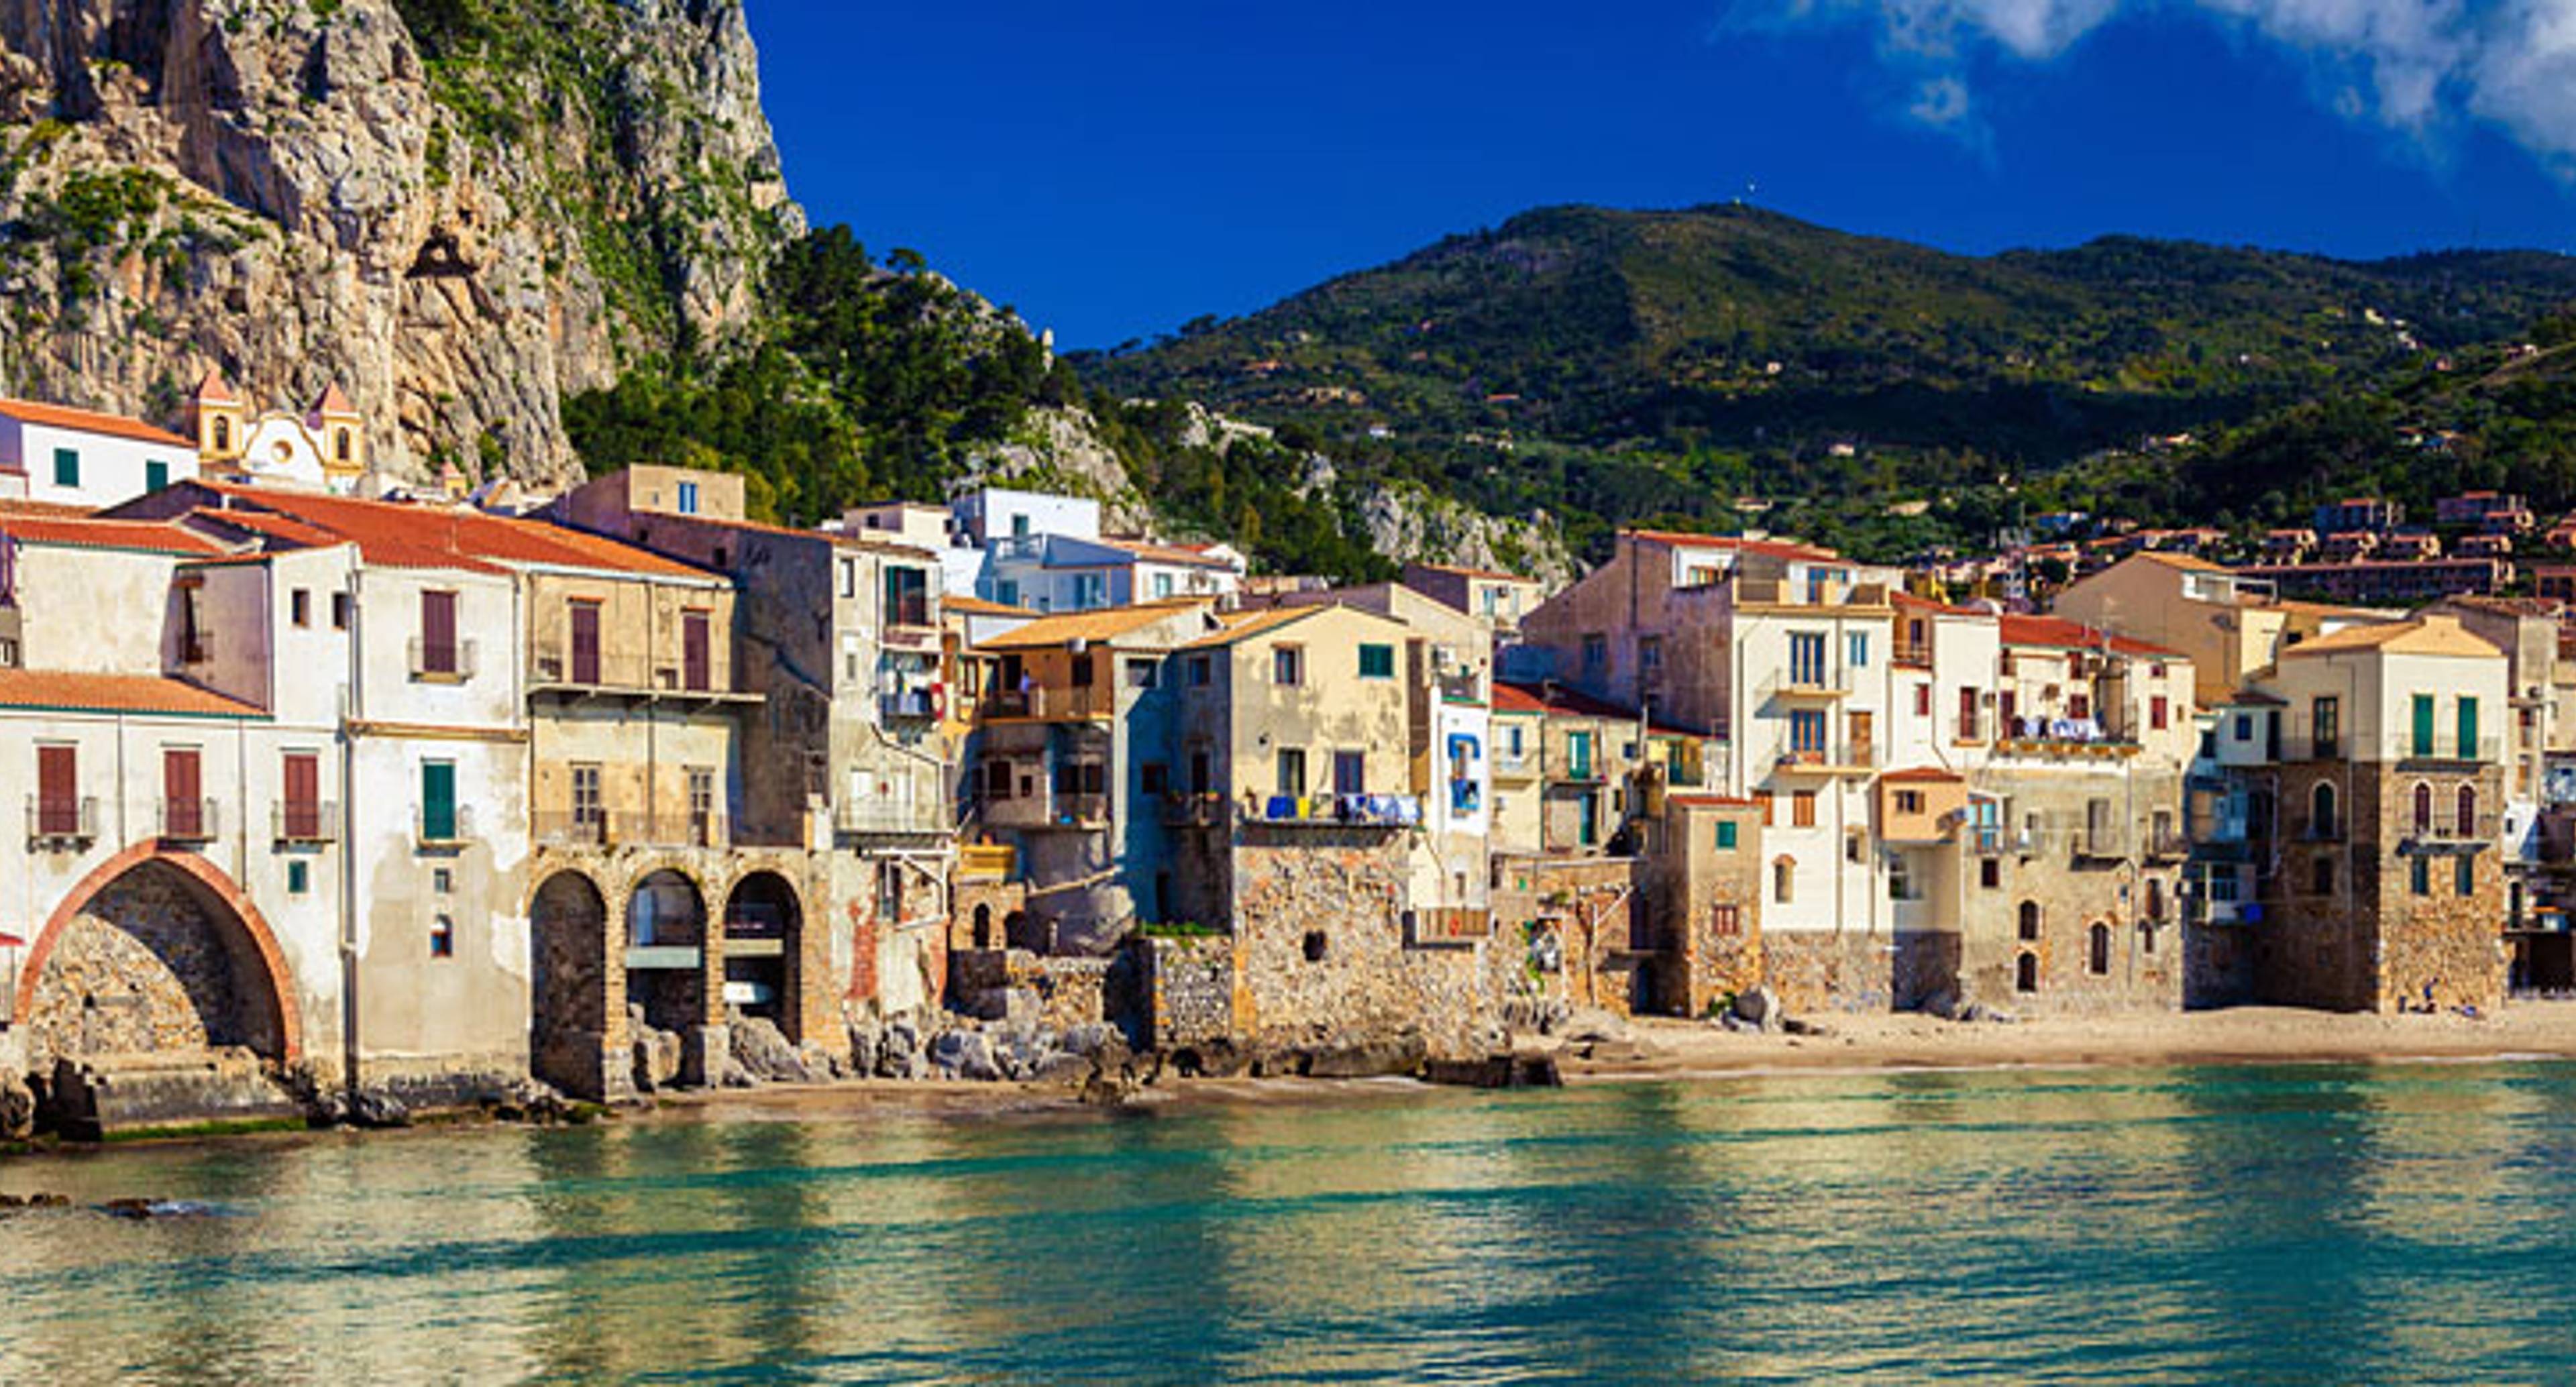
(221, 424)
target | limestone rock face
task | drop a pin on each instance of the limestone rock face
(460, 229)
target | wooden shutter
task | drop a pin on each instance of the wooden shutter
(57, 789)
(585, 642)
(181, 792)
(303, 777)
(695, 673)
(438, 632)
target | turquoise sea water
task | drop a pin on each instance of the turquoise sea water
(2287, 1224)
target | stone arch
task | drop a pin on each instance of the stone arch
(575, 1027)
(123, 913)
(2321, 810)
(2467, 813)
(666, 936)
(764, 930)
(2423, 806)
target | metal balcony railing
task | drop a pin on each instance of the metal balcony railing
(62, 820)
(2168, 844)
(1337, 811)
(1830, 756)
(190, 820)
(443, 660)
(889, 816)
(560, 664)
(601, 829)
(457, 828)
(1084, 701)
(2449, 828)
(1996, 840)
(310, 821)
(2447, 748)
(1046, 810)
(1808, 683)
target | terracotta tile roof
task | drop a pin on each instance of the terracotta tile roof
(847, 539)
(1241, 626)
(1711, 801)
(1917, 774)
(1099, 624)
(151, 536)
(49, 510)
(1527, 698)
(2428, 635)
(977, 606)
(63, 691)
(2189, 562)
(1490, 574)
(1167, 553)
(89, 421)
(403, 535)
(213, 389)
(2059, 633)
(1774, 548)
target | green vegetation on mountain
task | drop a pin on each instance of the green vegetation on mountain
(1618, 367)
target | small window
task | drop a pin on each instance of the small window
(1376, 662)
(66, 467)
(1140, 674)
(1201, 669)
(1316, 946)
(1596, 654)
(2419, 875)
(156, 475)
(1783, 880)
(442, 938)
(2465, 875)
(340, 452)
(1726, 835)
(2029, 922)
(1288, 666)
(1802, 809)
(1162, 585)
(299, 878)
(299, 607)
(2097, 949)
(442, 881)
(1990, 873)
(1856, 651)
(340, 611)
(688, 490)
(1909, 801)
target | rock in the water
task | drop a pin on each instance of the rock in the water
(763, 1050)
(17, 1108)
(1593, 1024)
(1090, 1038)
(377, 1109)
(965, 1055)
(1495, 1071)
(1760, 1006)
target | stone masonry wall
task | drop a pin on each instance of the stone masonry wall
(146, 968)
(1858, 970)
(1318, 917)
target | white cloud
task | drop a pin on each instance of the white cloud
(2412, 65)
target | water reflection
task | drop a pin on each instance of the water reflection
(2300, 1224)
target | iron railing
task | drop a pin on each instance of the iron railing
(443, 659)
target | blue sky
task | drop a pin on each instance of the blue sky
(1114, 169)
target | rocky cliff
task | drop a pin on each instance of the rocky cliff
(461, 210)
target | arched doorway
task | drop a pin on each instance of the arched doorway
(763, 928)
(568, 1020)
(2029, 920)
(984, 927)
(2026, 973)
(155, 955)
(666, 952)
(2097, 949)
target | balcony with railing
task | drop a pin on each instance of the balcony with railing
(443, 661)
(2065, 737)
(557, 667)
(1042, 704)
(1830, 757)
(916, 704)
(190, 820)
(886, 817)
(1186, 809)
(62, 821)
(599, 828)
(2449, 751)
(2453, 832)
(304, 821)
(1335, 811)
(2167, 844)
(1998, 840)
(452, 830)
(1802, 685)
(1047, 809)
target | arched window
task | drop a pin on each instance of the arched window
(2026, 973)
(1783, 878)
(2321, 811)
(340, 444)
(2155, 898)
(2030, 919)
(2468, 811)
(223, 434)
(2423, 807)
(2097, 948)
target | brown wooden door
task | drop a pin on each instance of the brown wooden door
(585, 642)
(57, 790)
(303, 775)
(182, 793)
(695, 671)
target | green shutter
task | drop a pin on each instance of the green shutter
(1726, 835)
(1377, 662)
(66, 467)
(1578, 754)
(438, 801)
(156, 475)
(2468, 729)
(2423, 725)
